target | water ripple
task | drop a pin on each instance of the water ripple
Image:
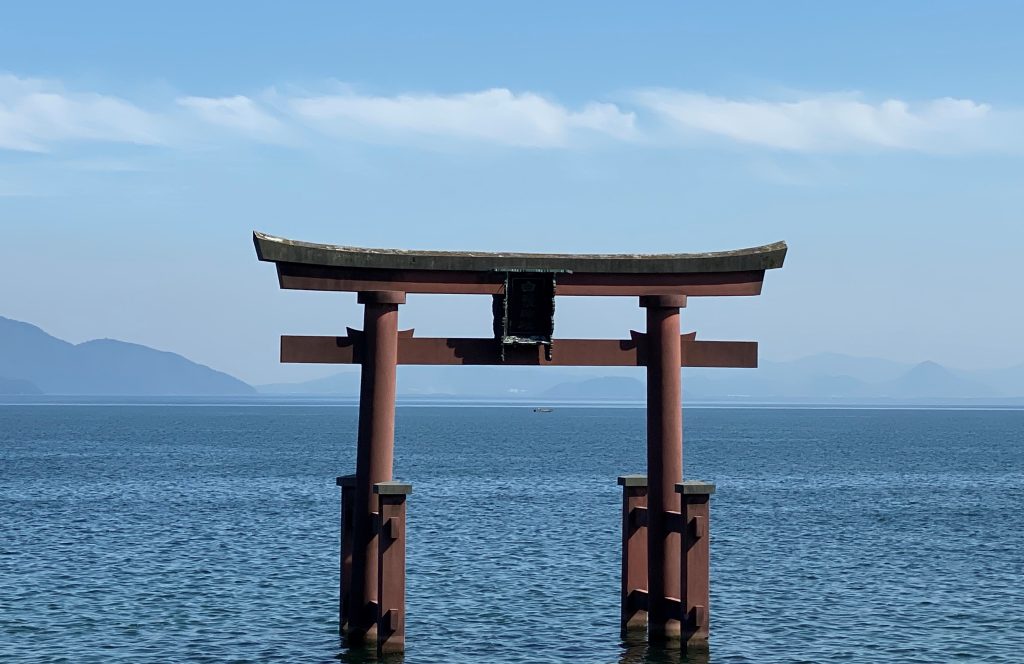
(209, 534)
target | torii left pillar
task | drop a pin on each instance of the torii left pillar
(664, 464)
(374, 462)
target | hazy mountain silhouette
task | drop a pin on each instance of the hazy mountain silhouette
(932, 380)
(34, 362)
(866, 369)
(830, 376)
(605, 387)
(821, 378)
(104, 367)
(1009, 380)
(17, 386)
(340, 384)
(464, 381)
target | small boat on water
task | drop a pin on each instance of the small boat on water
(543, 410)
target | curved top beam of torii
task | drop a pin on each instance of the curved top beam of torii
(309, 266)
(282, 250)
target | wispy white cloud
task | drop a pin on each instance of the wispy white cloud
(494, 116)
(35, 114)
(39, 115)
(6, 191)
(802, 171)
(239, 114)
(104, 165)
(835, 122)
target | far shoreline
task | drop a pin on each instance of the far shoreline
(306, 401)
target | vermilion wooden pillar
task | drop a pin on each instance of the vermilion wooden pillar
(375, 453)
(664, 464)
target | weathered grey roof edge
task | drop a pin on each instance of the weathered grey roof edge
(281, 250)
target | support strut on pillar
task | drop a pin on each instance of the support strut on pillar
(347, 484)
(664, 464)
(374, 455)
(391, 498)
(695, 561)
(634, 553)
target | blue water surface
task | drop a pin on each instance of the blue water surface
(186, 532)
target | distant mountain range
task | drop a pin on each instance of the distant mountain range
(33, 362)
(822, 378)
(832, 377)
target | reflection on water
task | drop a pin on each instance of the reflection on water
(634, 651)
(364, 655)
(637, 651)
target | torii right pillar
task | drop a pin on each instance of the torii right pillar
(664, 463)
(677, 543)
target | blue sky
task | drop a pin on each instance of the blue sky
(140, 145)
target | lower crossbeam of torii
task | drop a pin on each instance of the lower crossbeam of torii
(665, 519)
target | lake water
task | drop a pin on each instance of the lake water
(185, 532)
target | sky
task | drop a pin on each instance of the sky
(141, 144)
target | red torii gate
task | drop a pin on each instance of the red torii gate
(665, 555)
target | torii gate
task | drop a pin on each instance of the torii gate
(665, 552)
